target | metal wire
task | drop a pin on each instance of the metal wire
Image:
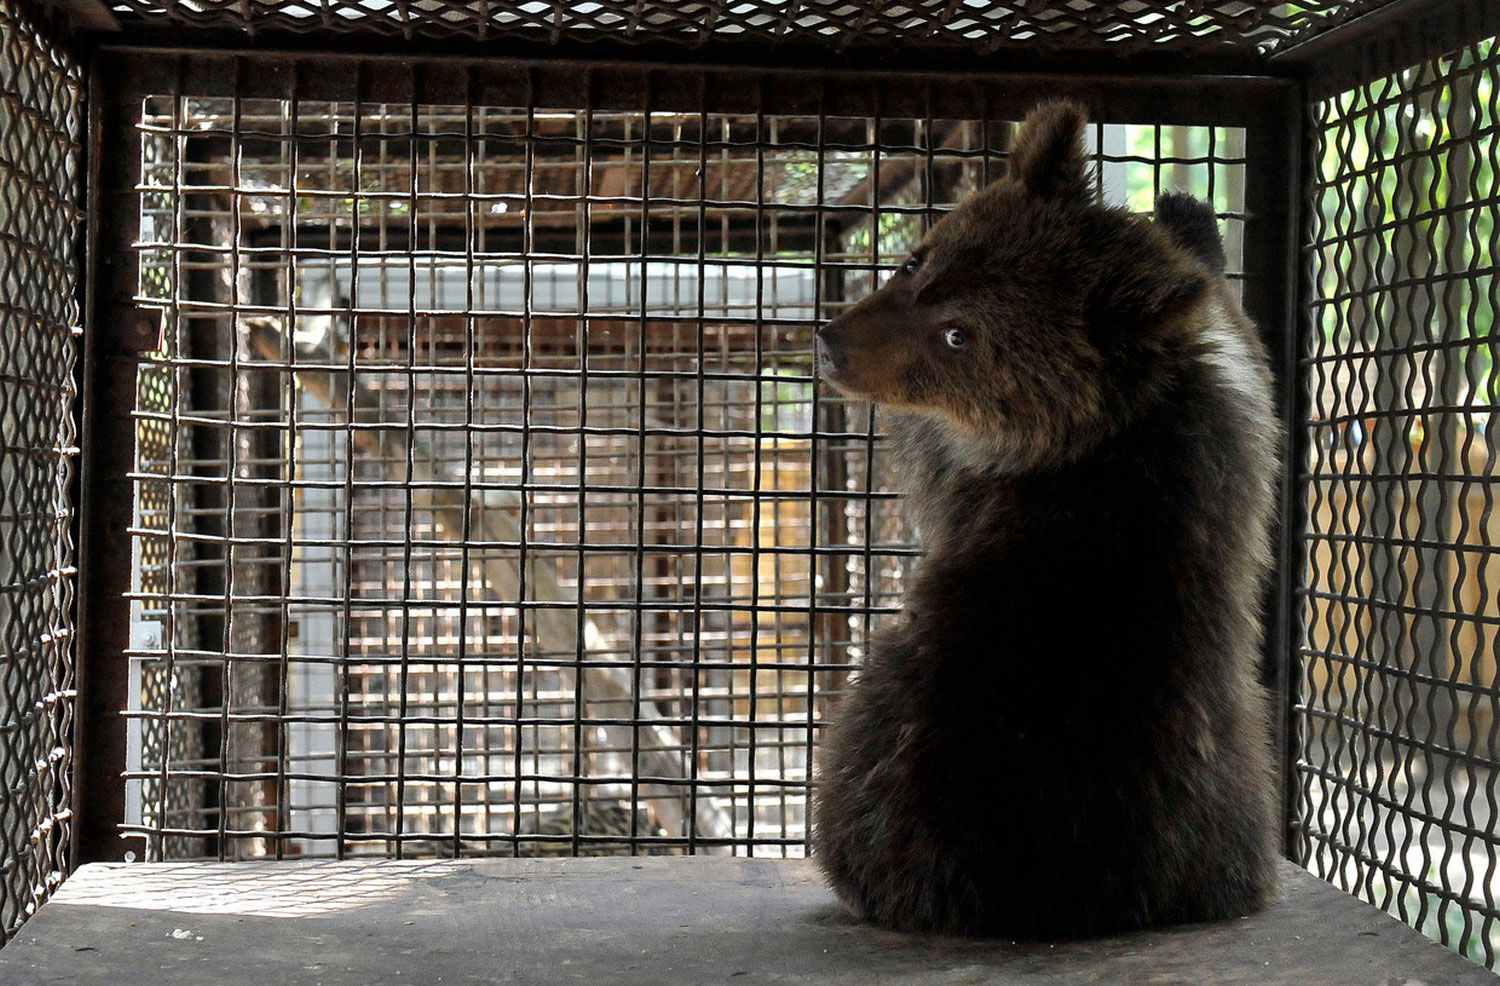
(490, 504)
(1073, 25)
(40, 102)
(1400, 693)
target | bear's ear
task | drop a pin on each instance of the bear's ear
(1143, 299)
(1047, 156)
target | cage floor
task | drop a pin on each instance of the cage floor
(650, 921)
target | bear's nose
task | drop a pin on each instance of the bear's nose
(829, 350)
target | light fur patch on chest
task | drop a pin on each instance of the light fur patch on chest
(1226, 351)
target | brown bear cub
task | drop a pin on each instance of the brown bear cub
(1065, 735)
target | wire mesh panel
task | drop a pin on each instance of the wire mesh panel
(1118, 25)
(39, 125)
(1400, 689)
(485, 498)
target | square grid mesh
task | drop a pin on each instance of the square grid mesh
(1400, 694)
(40, 104)
(486, 500)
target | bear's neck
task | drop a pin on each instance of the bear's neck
(968, 496)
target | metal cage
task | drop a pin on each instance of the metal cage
(40, 131)
(455, 479)
(1010, 24)
(1395, 772)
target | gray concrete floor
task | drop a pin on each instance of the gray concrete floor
(656, 921)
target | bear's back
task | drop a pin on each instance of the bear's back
(1074, 695)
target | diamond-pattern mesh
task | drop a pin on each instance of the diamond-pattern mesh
(1119, 25)
(39, 126)
(1401, 592)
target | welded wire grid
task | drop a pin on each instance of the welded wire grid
(1117, 25)
(486, 501)
(1399, 683)
(39, 126)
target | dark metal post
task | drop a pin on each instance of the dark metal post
(1274, 141)
(114, 331)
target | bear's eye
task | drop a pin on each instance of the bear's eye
(912, 263)
(955, 338)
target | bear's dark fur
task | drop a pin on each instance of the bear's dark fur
(1194, 227)
(1065, 735)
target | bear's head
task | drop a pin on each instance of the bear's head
(1030, 317)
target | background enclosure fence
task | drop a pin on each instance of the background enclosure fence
(485, 498)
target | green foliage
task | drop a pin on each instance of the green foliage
(1404, 225)
(785, 405)
(896, 233)
(371, 202)
(1145, 176)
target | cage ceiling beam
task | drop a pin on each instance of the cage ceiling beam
(681, 85)
(1424, 27)
(85, 15)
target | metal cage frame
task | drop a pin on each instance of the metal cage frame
(1283, 73)
(41, 106)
